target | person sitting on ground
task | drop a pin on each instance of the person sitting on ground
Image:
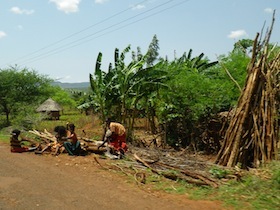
(60, 132)
(16, 144)
(73, 147)
(115, 136)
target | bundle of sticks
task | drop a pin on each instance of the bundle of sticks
(50, 143)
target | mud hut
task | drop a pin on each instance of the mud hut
(50, 108)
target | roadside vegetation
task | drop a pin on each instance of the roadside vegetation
(180, 101)
(258, 189)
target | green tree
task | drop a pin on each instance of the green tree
(244, 45)
(230, 74)
(99, 88)
(64, 97)
(190, 95)
(101, 94)
(152, 53)
(134, 83)
(19, 88)
(117, 92)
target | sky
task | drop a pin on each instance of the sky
(62, 38)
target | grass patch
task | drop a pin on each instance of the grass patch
(258, 189)
(4, 137)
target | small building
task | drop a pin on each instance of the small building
(50, 108)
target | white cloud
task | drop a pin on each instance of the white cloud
(19, 11)
(237, 34)
(138, 6)
(2, 34)
(67, 6)
(100, 1)
(268, 10)
(19, 27)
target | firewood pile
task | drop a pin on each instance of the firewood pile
(253, 133)
(50, 144)
(47, 141)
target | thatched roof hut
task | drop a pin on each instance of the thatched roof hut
(51, 108)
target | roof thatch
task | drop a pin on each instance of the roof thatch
(48, 106)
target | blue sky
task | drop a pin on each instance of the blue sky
(62, 38)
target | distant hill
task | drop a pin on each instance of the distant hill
(78, 85)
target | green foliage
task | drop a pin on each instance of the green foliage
(180, 94)
(197, 89)
(255, 191)
(20, 88)
(26, 117)
(124, 88)
(262, 194)
(99, 84)
(152, 52)
(275, 167)
(177, 93)
(4, 137)
(245, 46)
(63, 97)
(218, 172)
(190, 95)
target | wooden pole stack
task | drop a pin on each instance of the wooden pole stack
(253, 132)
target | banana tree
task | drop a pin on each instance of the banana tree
(133, 82)
(98, 84)
(120, 89)
(125, 81)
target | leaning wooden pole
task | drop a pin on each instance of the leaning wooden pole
(253, 132)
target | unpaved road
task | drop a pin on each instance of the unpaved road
(29, 181)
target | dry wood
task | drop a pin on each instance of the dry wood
(191, 177)
(87, 140)
(192, 174)
(145, 163)
(43, 135)
(175, 177)
(52, 144)
(95, 158)
(95, 149)
(253, 132)
(140, 177)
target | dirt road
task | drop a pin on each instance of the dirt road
(29, 181)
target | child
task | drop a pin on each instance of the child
(73, 147)
(16, 144)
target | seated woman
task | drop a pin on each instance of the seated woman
(73, 147)
(16, 144)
